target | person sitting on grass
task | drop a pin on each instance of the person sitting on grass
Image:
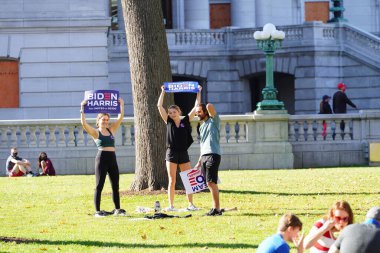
(17, 166)
(360, 238)
(321, 235)
(288, 230)
(45, 164)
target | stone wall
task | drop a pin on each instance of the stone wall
(61, 47)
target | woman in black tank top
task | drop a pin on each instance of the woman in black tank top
(178, 140)
(105, 160)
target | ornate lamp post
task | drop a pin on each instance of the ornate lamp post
(269, 40)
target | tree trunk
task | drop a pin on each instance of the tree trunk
(150, 67)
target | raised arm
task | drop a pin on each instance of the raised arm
(161, 109)
(115, 126)
(211, 110)
(197, 102)
(316, 233)
(90, 130)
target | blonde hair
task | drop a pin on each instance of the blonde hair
(101, 115)
(175, 107)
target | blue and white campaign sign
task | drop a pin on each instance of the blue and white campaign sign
(193, 180)
(102, 101)
(181, 87)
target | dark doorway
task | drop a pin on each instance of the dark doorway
(167, 12)
(284, 83)
(186, 101)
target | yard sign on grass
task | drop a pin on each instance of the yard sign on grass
(193, 180)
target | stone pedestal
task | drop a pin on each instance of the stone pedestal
(272, 146)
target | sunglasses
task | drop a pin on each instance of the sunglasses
(337, 218)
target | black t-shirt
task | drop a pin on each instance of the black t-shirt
(340, 101)
(178, 138)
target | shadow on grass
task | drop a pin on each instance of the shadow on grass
(129, 245)
(297, 194)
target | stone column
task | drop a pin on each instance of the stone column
(197, 14)
(263, 9)
(120, 18)
(178, 14)
(243, 13)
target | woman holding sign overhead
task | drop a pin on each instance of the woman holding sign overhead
(178, 140)
(105, 160)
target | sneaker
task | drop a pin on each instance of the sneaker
(192, 208)
(214, 212)
(119, 212)
(101, 213)
(170, 209)
(30, 174)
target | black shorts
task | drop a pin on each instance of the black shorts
(210, 166)
(177, 157)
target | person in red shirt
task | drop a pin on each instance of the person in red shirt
(45, 164)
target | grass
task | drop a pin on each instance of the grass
(54, 214)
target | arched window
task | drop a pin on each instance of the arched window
(9, 84)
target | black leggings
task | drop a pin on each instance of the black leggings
(105, 162)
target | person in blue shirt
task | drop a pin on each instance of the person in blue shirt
(210, 157)
(288, 229)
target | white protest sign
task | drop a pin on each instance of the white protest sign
(185, 86)
(193, 180)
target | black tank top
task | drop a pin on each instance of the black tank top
(105, 141)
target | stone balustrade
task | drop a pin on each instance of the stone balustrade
(64, 133)
(328, 127)
(251, 141)
(297, 37)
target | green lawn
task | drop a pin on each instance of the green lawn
(54, 214)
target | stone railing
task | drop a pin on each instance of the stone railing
(216, 38)
(335, 127)
(73, 150)
(338, 36)
(234, 129)
(362, 42)
(303, 128)
(69, 132)
(251, 141)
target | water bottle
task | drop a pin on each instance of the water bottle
(157, 207)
